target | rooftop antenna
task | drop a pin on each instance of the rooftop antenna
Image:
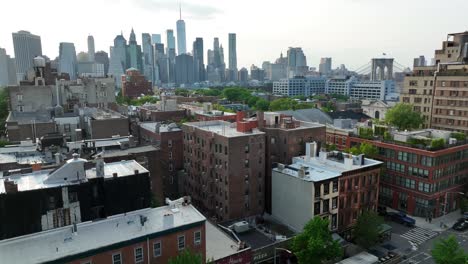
(180, 10)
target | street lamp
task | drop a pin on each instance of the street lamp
(446, 201)
(283, 249)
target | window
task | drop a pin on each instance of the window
(326, 205)
(157, 249)
(139, 255)
(335, 203)
(19, 97)
(181, 242)
(317, 208)
(197, 238)
(117, 258)
(169, 143)
(246, 163)
(335, 186)
(246, 148)
(20, 108)
(326, 188)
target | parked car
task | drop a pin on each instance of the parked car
(401, 218)
(461, 224)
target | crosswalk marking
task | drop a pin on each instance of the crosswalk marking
(419, 235)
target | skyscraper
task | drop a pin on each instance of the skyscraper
(210, 56)
(198, 61)
(91, 50)
(118, 59)
(27, 46)
(181, 42)
(325, 66)
(170, 40)
(232, 51)
(232, 57)
(148, 57)
(134, 55)
(7, 69)
(297, 62)
(103, 58)
(184, 69)
(67, 59)
(155, 39)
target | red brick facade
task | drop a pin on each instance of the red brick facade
(134, 84)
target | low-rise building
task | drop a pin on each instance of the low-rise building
(70, 194)
(300, 86)
(150, 235)
(421, 178)
(157, 113)
(134, 84)
(376, 109)
(335, 185)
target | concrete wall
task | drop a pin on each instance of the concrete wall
(292, 200)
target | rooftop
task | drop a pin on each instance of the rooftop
(151, 126)
(218, 244)
(309, 115)
(327, 165)
(71, 173)
(128, 151)
(62, 242)
(222, 128)
(101, 143)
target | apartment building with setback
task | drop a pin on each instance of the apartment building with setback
(150, 235)
(420, 180)
(333, 185)
(285, 139)
(225, 167)
(440, 92)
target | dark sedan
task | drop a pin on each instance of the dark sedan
(461, 225)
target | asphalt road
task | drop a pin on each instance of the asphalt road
(416, 244)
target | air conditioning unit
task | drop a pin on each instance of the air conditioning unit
(241, 227)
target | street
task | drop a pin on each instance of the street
(416, 243)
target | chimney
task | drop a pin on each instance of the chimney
(136, 172)
(323, 154)
(301, 173)
(114, 175)
(58, 158)
(99, 166)
(10, 186)
(36, 166)
(311, 150)
(157, 128)
(348, 161)
(240, 116)
(260, 120)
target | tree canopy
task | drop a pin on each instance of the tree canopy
(404, 117)
(237, 94)
(3, 107)
(181, 92)
(448, 251)
(315, 244)
(365, 148)
(282, 104)
(187, 257)
(367, 229)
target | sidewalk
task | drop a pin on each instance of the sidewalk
(448, 219)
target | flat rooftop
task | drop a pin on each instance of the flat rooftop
(151, 126)
(99, 143)
(62, 242)
(319, 169)
(218, 244)
(128, 151)
(37, 179)
(223, 128)
(23, 147)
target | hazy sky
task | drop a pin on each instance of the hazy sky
(349, 31)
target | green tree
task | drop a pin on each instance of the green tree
(252, 101)
(315, 244)
(262, 105)
(236, 94)
(448, 251)
(367, 229)
(182, 92)
(437, 143)
(368, 149)
(404, 117)
(186, 257)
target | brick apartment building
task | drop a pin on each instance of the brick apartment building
(134, 84)
(151, 235)
(225, 167)
(169, 139)
(418, 179)
(155, 113)
(333, 185)
(285, 138)
(440, 92)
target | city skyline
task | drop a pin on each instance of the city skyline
(318, 29)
